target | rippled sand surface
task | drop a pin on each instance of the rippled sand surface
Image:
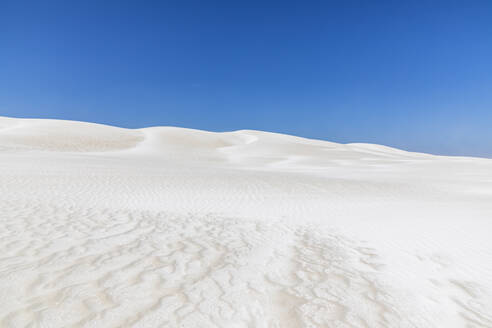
(168, 227)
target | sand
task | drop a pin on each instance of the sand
(169, 227)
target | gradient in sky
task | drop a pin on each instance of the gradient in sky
(411, 74)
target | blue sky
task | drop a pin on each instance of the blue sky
(410, 74)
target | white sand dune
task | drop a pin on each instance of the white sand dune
(169, 227)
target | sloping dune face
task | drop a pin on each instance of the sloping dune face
(169, 227)
(52, 135)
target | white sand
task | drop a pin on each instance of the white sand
(169, 227)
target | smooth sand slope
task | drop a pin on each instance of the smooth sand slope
(169, 227)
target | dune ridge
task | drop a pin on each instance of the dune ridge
(170, 227)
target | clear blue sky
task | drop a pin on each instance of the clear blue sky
(410, 74)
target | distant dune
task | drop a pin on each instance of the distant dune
(170, 227)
